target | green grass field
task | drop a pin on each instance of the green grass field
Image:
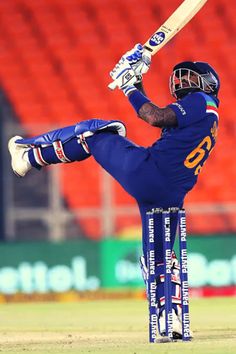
(111, 327)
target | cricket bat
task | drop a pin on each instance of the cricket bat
(182, 15)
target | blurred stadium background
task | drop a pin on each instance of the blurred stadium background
(71, 227)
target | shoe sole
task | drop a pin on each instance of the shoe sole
(11, 149)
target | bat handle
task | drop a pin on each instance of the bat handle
(112, 85)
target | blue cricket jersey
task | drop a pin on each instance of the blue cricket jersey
(181, 152)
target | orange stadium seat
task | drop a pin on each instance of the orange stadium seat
(55, 59)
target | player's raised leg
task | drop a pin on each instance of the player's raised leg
(58, 146)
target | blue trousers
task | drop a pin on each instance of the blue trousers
(138, 173)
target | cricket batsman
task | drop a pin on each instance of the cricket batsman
(158, 176)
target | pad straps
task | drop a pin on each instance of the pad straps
(58, 149)
(38, 156)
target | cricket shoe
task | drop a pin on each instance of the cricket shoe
(177, 325)
(19, 157)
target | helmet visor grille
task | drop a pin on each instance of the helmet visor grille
(187, 80)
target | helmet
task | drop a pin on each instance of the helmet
(195, 76)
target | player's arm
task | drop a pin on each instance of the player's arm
(154, 115)
(158, 117)
(128, 77)
(139, 86)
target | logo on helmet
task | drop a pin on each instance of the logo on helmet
(157, 38)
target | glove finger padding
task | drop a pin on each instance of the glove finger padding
(139, 59)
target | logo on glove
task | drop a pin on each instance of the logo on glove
(157, 38)
(128, 76)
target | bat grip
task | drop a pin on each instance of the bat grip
(112, 85)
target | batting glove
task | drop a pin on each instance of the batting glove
(123, 75)
(139, 60)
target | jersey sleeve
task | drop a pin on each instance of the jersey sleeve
(190, 110)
